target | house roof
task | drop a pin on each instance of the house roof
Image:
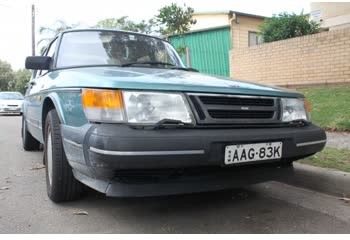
(230, 12)
(211, 12)
(202, 30)
(248, 15)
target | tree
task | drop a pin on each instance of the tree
(50, 32)
(174, 19)
(285, 25)
(13, 80)
(124, 23)
(6, 75)
(20, 81)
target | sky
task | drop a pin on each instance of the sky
(15, 16)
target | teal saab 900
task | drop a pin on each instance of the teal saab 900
(119, 112)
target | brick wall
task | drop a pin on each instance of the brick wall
(322, 58)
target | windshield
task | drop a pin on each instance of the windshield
(114, 48)
(11, 96)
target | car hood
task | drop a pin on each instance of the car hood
(137, 78)
(11, 102)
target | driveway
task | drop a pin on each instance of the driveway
(264, 208)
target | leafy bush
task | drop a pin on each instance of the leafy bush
(285, 25)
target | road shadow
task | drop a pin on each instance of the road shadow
(209, 212)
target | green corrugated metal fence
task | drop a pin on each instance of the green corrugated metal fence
(209, 50)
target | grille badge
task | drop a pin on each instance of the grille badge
(244, 108)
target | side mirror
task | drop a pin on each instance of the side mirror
(38, 63)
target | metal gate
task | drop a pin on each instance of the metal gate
(209, 50)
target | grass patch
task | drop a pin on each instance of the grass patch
(330, 158)
(330, 106)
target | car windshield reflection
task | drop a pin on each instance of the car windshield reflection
(88, 48)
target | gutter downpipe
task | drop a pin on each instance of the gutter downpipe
(234, 19)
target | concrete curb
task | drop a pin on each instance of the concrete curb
(319, 179)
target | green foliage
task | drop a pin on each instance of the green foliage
(50, 32)
(124, 23)
(20, 81)
(59, 26)
(329, 106)
(174, 19)
(13, 80)
(6, 75)
(285, 25)
(333, 158)
(181, 50)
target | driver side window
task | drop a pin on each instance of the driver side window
(50, 53)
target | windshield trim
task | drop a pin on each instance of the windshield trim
(119, 66)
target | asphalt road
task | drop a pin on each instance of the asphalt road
(264, 208)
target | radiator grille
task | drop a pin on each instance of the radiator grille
(234, 109)
(236, 101)
(227, 114)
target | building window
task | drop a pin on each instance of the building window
(254, 39)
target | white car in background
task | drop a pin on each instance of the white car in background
(11, 102)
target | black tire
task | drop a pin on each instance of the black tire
(29, 143)
(63, 186)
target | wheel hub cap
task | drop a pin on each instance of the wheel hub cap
(49, 156)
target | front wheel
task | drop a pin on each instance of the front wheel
(60, 182)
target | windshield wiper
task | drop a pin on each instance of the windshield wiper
(185, 69)
(147, 63)
(174, 67)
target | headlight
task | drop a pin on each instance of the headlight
(152, 107)
(137, 107)
(295, 109)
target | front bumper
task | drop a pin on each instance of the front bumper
(10, 111)
(99, 152)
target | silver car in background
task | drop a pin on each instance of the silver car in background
(11, 103)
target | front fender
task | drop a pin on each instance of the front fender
(55, 100)
(68, 105)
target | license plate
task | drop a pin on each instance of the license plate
(252, 152)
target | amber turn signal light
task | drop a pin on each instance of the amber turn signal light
(101, 98)
(307, 105)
